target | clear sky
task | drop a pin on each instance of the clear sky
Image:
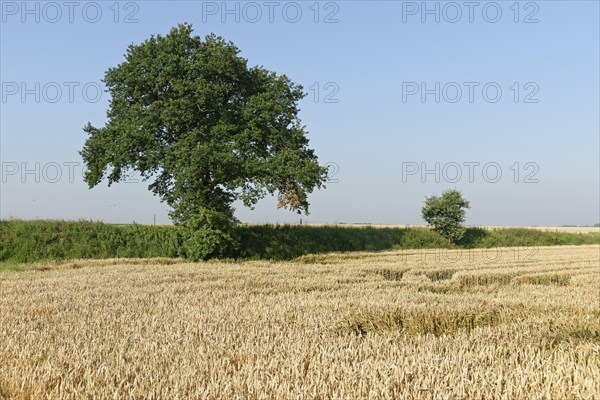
(405, 99)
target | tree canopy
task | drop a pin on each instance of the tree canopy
(206, 129)
(446, 214)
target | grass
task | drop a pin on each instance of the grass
(346, 327)
(42, 240)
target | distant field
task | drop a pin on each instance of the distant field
(505, 323)
(566, 229)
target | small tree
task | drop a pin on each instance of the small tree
(446, 214)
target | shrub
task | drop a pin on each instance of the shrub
(211, 234)
(446, 214)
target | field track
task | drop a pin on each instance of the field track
(506, 323)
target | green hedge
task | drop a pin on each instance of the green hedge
(31, 241)
(289, 241)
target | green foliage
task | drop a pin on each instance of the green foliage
(206, 128)
(33, 241)
(446, 214)
(281, 242)
(210, 234)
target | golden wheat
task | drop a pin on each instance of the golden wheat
(503, 324)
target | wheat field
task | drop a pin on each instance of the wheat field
(518, 323)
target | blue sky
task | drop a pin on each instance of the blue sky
(365, 66)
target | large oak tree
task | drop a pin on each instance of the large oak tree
(204, 128)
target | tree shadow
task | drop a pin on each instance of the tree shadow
(284, 242)
(472, 237)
